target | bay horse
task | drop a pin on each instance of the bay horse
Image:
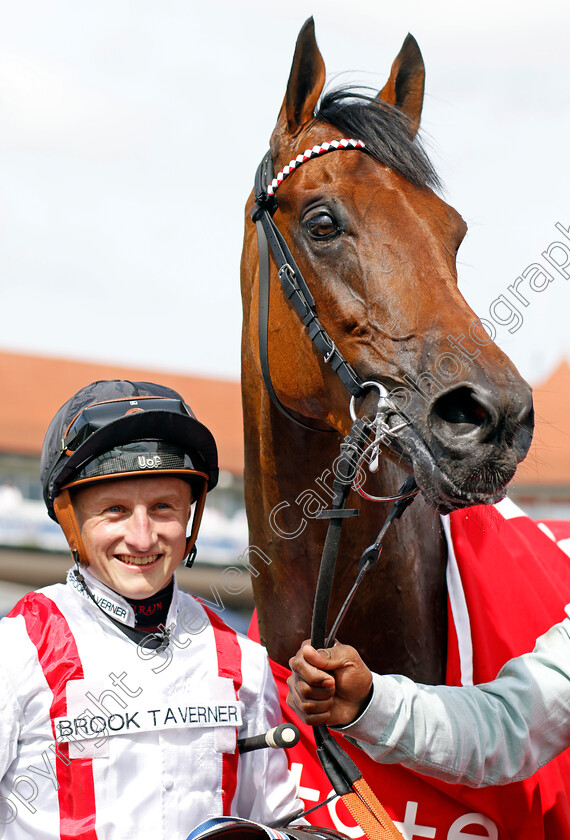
(377, 247)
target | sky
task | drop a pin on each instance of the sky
(130, 131)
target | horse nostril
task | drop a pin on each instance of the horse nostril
(519, 434)
(466, 416)
(459, 412)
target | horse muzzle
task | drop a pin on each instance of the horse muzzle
(465, 444)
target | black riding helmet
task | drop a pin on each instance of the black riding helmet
(115, 429)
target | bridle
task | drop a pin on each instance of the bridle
(298, 293)
(292, 281)
(344, 775)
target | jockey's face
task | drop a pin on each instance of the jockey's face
(134, 531)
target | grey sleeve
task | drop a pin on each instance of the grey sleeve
(493, 733)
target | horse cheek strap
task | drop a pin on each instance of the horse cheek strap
(293, 283)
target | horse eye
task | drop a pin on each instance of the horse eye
(322, 226)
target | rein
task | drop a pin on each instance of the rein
(344, 775)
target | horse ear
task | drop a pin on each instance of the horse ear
(306, 80)
(405, 87)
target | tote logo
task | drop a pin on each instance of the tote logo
(150, 462)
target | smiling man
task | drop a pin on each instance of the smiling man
(134, 531)
(123, 698)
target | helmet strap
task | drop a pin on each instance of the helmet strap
(190, 554)
(66, 517)
(190, 557)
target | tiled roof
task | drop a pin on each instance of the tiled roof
(548, 462)
(32, 388)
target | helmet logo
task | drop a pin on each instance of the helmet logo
(150, 462)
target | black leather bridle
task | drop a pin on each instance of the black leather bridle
(340, 769)
(295, 289)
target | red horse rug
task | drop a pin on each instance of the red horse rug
(508, 582)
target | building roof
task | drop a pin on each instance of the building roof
(34, 387)
(548, 462)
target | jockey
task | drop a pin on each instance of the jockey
(123, 697)
(489, 734)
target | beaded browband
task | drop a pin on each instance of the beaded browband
(334, 145)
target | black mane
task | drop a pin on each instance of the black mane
(385, 131)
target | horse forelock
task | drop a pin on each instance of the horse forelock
(386, 132)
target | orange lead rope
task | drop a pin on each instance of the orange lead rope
(349, 783)
(369, 813)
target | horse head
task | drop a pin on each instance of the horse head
(377, 247)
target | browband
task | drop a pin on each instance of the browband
(308, 154)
